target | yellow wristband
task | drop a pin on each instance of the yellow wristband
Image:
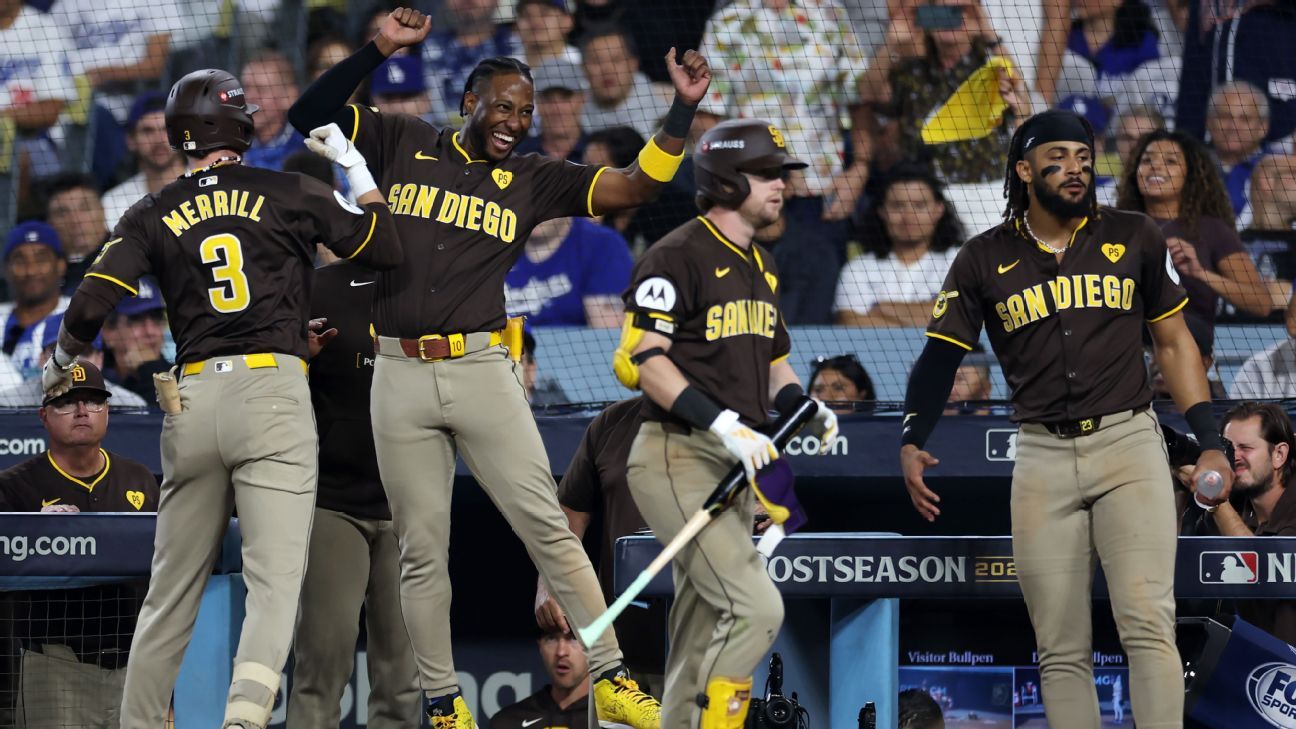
(657, 163)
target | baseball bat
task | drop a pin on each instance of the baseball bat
(723, 495)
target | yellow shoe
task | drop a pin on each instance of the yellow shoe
(727, 701)
(458, 717)
(621, 705)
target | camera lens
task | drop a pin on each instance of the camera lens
(779, 711)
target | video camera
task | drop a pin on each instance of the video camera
(776, 711)
(1183, 449)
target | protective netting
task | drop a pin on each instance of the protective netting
(903, 110)
(63, 654)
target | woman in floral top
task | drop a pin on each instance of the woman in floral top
(908, 88)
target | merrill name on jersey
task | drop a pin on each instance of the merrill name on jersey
(1078, 291)
(215, 204)
(462, 211)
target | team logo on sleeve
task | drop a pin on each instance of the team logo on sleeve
(502, 178)
(1113, 251)
(136, 499)
(942, 303)
(655, 293)
(104, 250)
(347, 206)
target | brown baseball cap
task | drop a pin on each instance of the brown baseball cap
(85, 378)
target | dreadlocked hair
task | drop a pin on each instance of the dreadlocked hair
(1203, 194)
(1016, 190)
(488, 69)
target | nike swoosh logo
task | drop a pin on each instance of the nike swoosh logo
(51, 502)
(360, 283)
(1005, 269)
(721, 272)
(529, 723)
(419, 155)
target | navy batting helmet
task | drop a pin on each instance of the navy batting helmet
(731, 148)
(206, 110)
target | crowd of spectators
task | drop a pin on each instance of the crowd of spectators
(874, 94)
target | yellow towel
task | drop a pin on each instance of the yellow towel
(974, 110)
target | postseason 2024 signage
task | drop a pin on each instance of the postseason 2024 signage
(872, 565)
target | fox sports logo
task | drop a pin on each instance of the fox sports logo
(1271, 688)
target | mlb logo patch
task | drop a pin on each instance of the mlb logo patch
(224, 365)
(1229, 568)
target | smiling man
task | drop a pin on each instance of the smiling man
(467, 204)
(1065, 289)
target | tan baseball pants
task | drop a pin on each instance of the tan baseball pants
(425, 412)
(353, 563)
(59, 691)
(727, 612)
(1102, 497)
(246, 438)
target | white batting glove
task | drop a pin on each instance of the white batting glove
(753, 450)
(824, 425)
(56, 379)
(330, 143)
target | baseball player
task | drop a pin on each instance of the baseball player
(354, 560)
(232, 249)
(75, 641)
(89, 477)
(470, 203)
(704, 339)
(1064, 289)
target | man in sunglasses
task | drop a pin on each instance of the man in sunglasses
(704, 338)
(75, 641)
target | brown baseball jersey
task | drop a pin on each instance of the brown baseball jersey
(246, 237)
(463, 221)
(122, 485)
(595, 480)
(97, 622)
(1068, 335)
(340, 379)
(540, 711)
(718, 304)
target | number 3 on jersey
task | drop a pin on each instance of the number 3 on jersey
(224, 254)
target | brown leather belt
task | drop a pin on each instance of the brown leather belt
(436, 347)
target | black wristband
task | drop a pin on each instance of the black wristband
(1201, 418)
(679, 119)
(787, 398)
(695, 408)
